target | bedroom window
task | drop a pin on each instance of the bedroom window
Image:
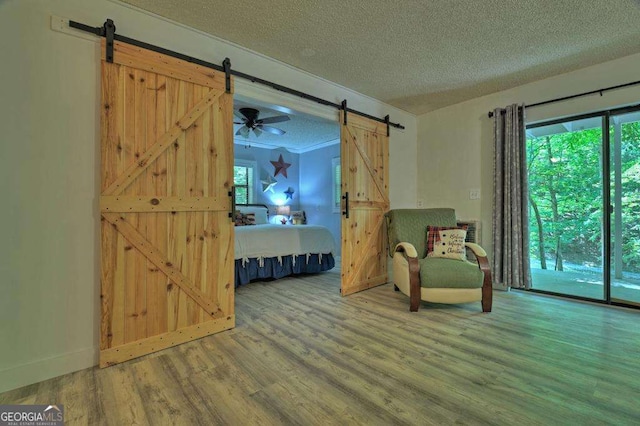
(244, 181)
(335, 175)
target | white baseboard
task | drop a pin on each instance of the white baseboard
(37, 371)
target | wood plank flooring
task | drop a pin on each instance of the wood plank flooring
(301, 354)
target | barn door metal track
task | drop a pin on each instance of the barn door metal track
(108, 30)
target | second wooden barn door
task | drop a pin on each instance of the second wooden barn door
(365, 189)
(167, 240)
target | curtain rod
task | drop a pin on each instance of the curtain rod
(108, 30)
(592, 92)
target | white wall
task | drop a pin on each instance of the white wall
(49, 165)
(262, 157)
(455, 144)
(316, 190)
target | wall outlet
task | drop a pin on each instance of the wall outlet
(474, 194)
(420, 203)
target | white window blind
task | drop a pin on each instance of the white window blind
(244, 181)
(336, 176)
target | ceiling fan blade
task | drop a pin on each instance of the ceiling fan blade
(276, 119)
(272, 130)
(243, 131)
(257, 131)
(237, 114)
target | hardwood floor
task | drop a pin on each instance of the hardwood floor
(301, 354)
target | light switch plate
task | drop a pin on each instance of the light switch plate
(474, 194)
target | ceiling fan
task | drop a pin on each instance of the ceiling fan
(249, 120)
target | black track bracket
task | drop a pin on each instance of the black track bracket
(226, 64)
(109, 32)
(386, 120)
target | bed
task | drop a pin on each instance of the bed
(273, 251)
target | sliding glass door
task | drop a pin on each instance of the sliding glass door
(565, 200)
(584, 206)
(625, 201)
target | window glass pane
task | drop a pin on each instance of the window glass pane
(565, 207)
(243, 179)
(625, 200)
(337, 185)
(250, 186)
(241, 195)
(240, 175)
(570, 213)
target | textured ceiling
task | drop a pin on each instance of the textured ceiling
(303, 132)
(420, 55)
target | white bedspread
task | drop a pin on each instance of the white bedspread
(262, 241)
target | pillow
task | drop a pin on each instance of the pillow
(238, 218)
(446, 242)
(299, 217)
(242, 219)
(249, 218)
(259, 212)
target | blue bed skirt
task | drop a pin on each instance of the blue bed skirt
(274, 268)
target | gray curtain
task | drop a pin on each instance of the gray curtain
(511, 266)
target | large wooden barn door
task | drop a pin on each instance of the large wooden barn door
(365, 190)
(167, 240)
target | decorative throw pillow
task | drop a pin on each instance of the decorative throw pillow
(242, 219)
(239, 218)
(299, 217)
(446, 242)
(249, 218)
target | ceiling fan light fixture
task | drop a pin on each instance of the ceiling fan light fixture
(243, 131)
(250, 121)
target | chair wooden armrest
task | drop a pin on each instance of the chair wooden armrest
(487, 283)
(411, 255)
(407, 248)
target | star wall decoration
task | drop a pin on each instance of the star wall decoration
(281, 167)
(268, 183)
(289, 193)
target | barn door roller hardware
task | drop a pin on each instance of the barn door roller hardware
(108, 30)
(343, 107)
(226, 64)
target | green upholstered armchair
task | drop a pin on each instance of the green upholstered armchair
(434, 279)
